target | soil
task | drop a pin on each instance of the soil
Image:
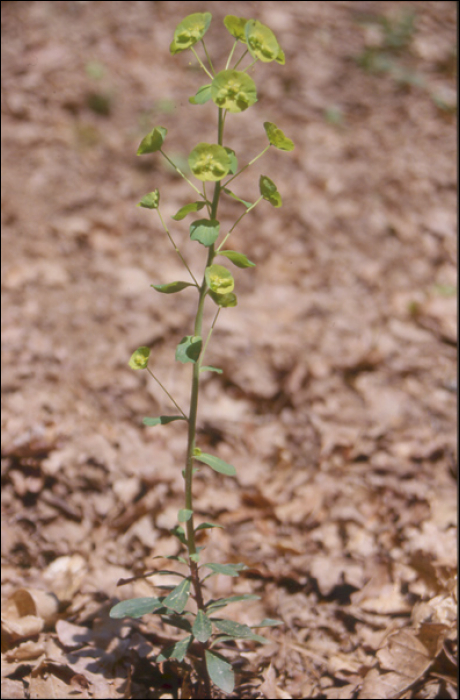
(337, 401)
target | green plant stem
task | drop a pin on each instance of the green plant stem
(203, 290)
(179, 172)
(238, 221)
(208, 57)
(176, 248)
(201, 62)
(167, 393)
(247, 165)
(240, 59)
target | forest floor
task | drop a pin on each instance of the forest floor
(337, 402)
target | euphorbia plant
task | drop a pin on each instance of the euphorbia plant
(232, 90)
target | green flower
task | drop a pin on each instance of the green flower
(233, 90)
(262, 43)
(209, 162)
(190, 31)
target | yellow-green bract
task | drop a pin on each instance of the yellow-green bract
(209, 162)
(233, 90)
(140, 358)
(190, 30)
(219, 279)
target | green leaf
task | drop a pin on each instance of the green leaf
(261, 41)
(224, 300)
(190, 30)
(140, 358)
(184, 515)
(207, 526)
(209, 162)
(233, 160)
(269, 191)
(153, 141)
(235, 26)
(178, 621)
(281, 58)
(277, 137)
(175, 651)
(223, 602)
(220, 671)
(161, 420)
(150, 200)
(226, 569)
(177, 599)
(234, 629)
(238, 199)
(267, 622)
(135, 607)
(208, 368)
(238, 259)
(233, 90)
(187, 209)
(217, 464)
(189, 349)
(179, 532)
(219, 279)
(202, 96)
(205, 231)
(202, 627)
(172, 287)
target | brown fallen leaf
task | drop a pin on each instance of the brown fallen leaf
(406, 656)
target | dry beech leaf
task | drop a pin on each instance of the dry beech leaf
(407, 656)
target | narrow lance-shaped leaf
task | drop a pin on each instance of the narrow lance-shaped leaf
(202, 627)
(153, 141)
(172, 287)
(175, 651)
(220, 671)
(187, 209)
(135, 607)
(238, 259)
(215, 463)
(177, 599)
(161, 420)
(226, 569)
(234, 629)
(140, 358)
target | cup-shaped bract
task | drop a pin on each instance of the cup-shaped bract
(235, 25)
(190, 31)
(233, 90)
(140, 358)
(209, 162)
(277, 137)
(269, 191)
(262, 43)
(153, 141)
(150, 200)
(219, 279)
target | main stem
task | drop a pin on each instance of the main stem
(194, 401)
